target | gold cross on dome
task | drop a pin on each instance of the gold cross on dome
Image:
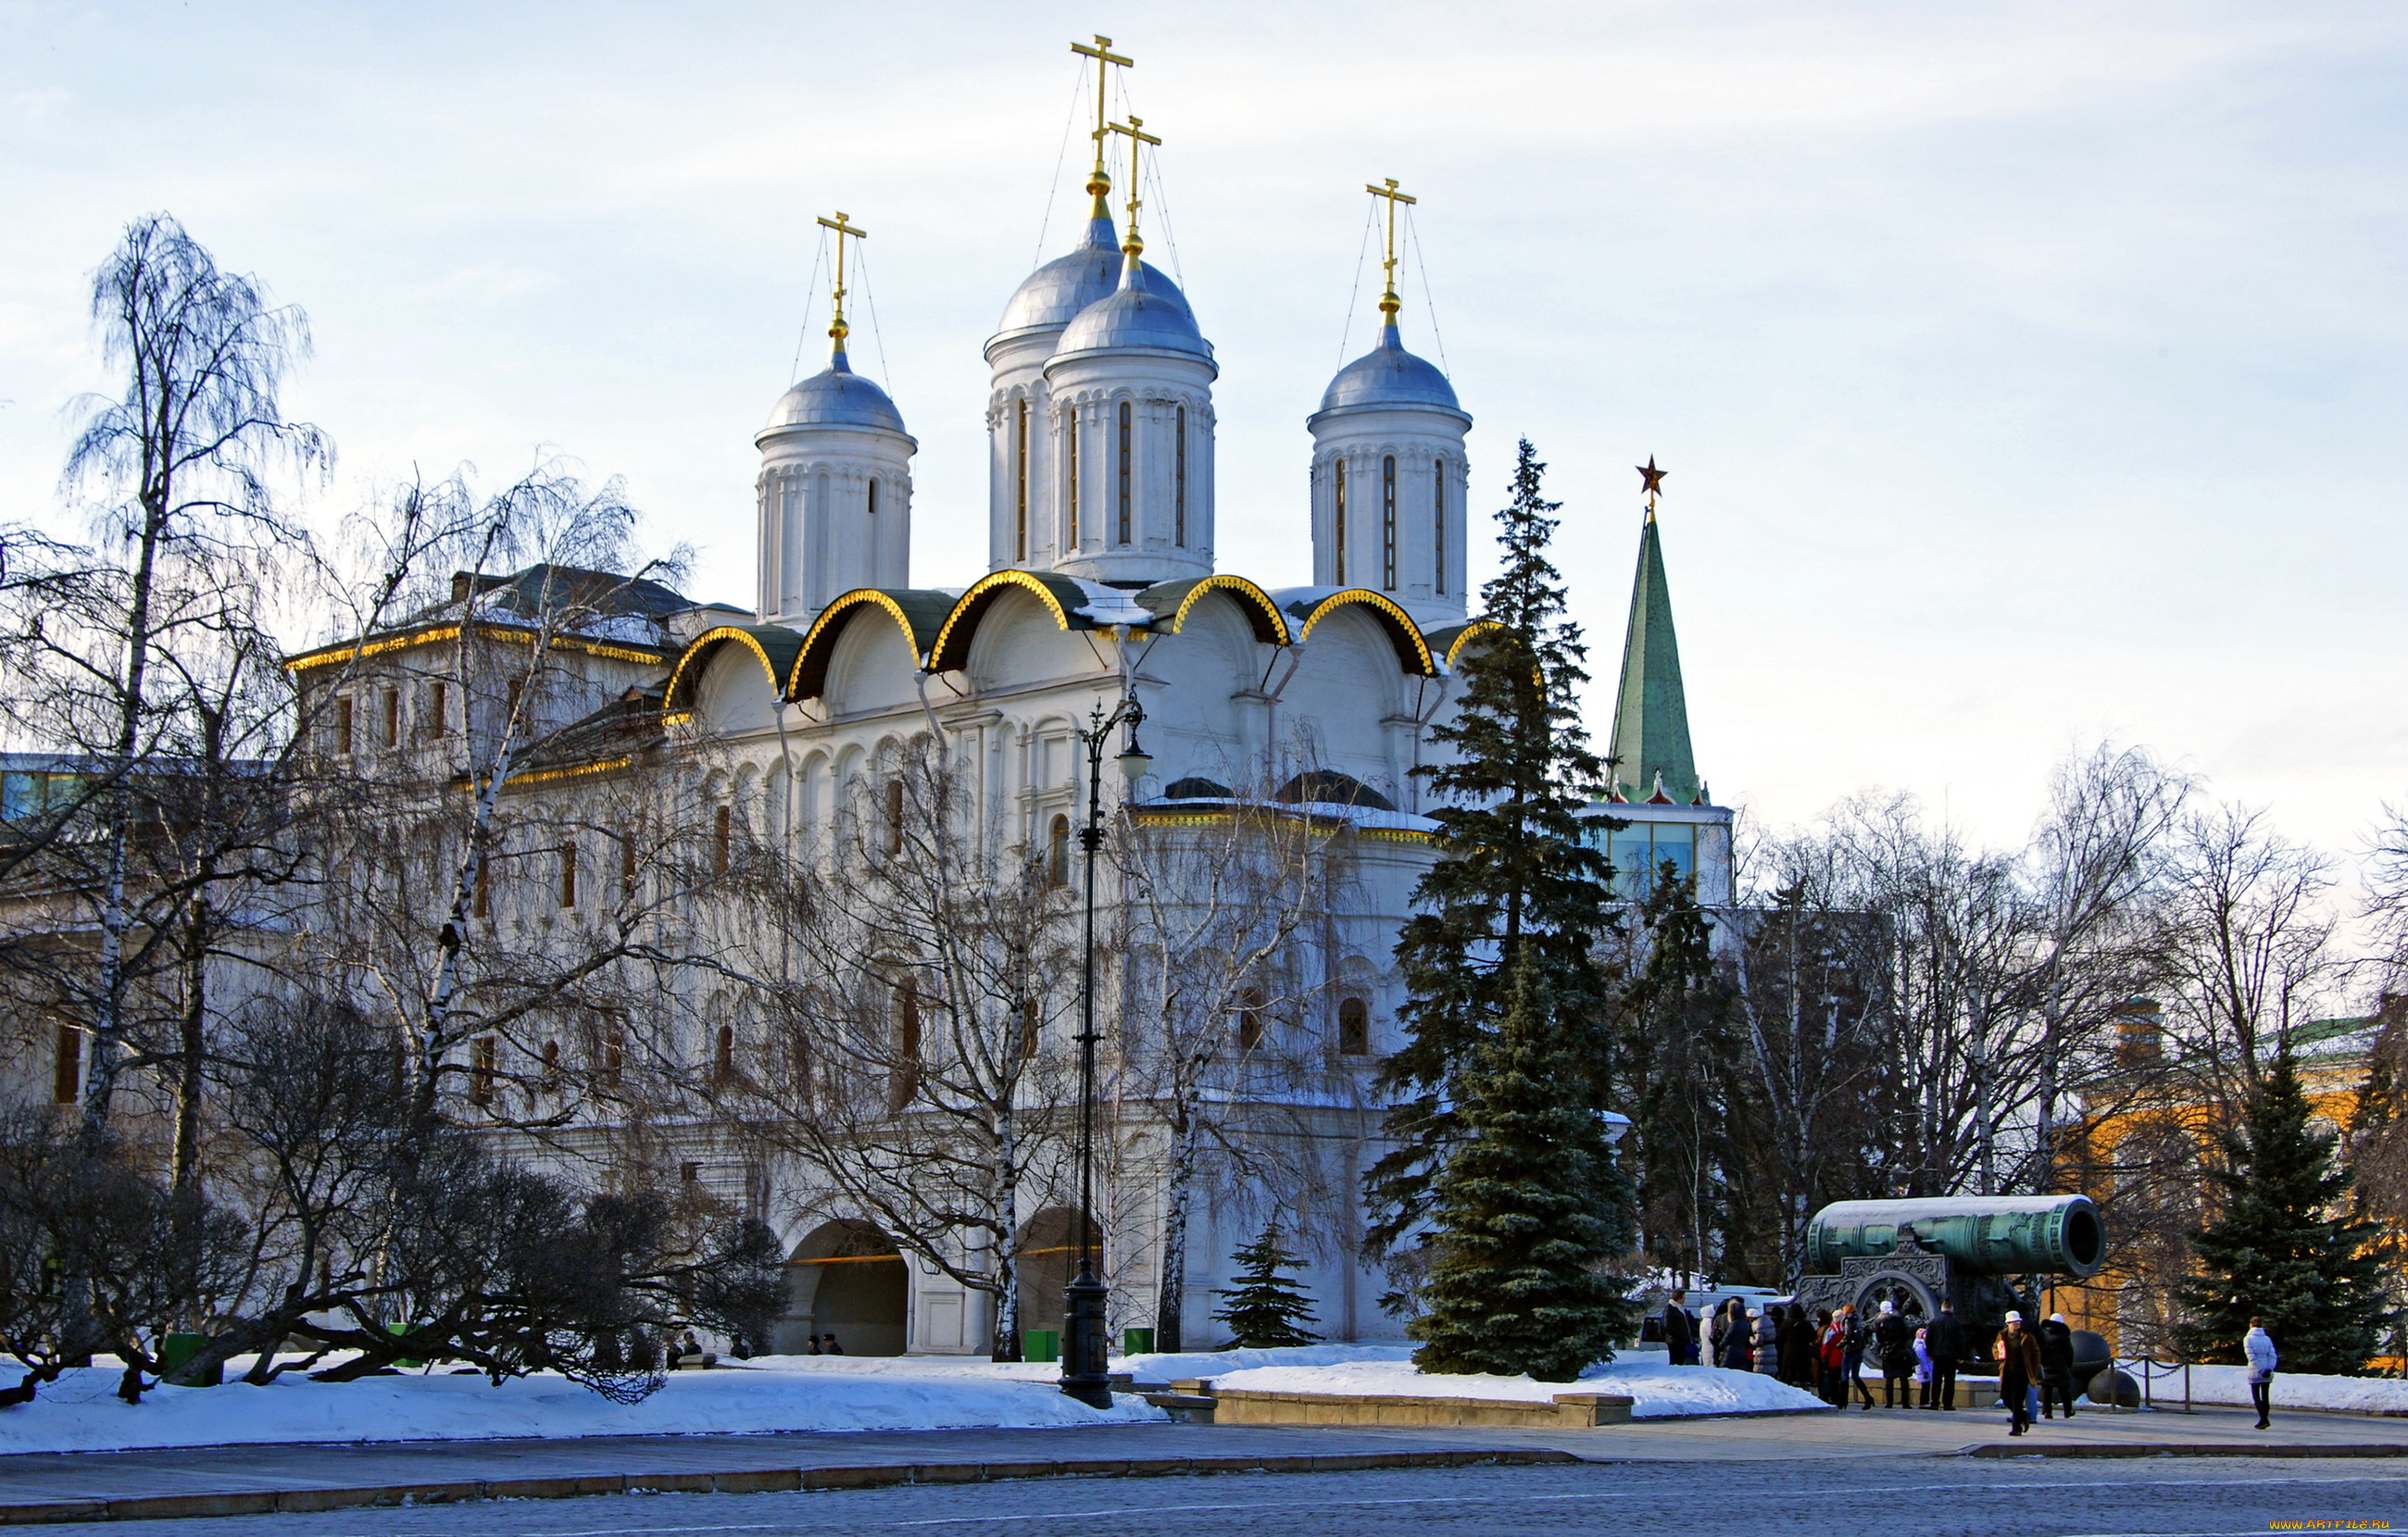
(1099, 181)
(1389, 302)
(1139, 138)
(843, 226)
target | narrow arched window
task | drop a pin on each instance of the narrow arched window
(1020, 484)
(873, 498)
(1179, 483)
(1070, 455)
(903, 1070)
(1354, 1028)
(894, 816)
(1123, 531)
(1388, 523)
(1032, 1026)
(1057, 852)
(1338, 523)
(723, 840)
(1438, 505)
(568, 874)
(1249, 1032)
(723, 1060)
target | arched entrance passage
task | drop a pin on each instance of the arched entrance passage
(1048, 1258)
(846, 1279)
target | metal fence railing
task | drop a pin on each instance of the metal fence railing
(2151, 1371)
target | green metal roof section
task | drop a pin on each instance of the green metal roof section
(1651, 712)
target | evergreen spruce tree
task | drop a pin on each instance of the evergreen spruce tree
(1517, 892)
(1266, 1309)
(1531, 1206)
(2275, 1254)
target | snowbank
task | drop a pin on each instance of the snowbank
(1656, 1390)
(81, 1412)
(2292, 1389)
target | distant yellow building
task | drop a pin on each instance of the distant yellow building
(2146, 1136)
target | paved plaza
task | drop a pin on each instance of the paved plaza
(1872, 1472)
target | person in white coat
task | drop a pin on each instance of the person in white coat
(2262, 1360)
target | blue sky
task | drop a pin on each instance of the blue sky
(2027, 373)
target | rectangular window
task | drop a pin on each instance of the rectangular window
(1179, 484)
(511, 724)
(1125, 473)
(437, 718)
(1354, 1028)
(392, 703)
(1338, 524)
(873, 499)
(1020, 484)
(1071, 453)
(568, 874)
(1388, 523)
(343, 726)
(485, 887)
(67, 1068)
(1438, 502)
(484, 1060)
(723, 840)
(627, 867)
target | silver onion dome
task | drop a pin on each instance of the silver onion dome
(1389, 376)
(1146, 313)
(1055, 292)
(835, 397)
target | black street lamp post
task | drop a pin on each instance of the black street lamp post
(1085, 1354)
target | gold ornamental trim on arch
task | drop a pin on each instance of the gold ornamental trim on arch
(808, 677)
(710, 640)
(951, 652)
(1413, 651)
(1262, 611)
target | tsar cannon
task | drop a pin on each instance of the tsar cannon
(1968, 1251)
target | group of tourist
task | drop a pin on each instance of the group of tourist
(1827, 1355)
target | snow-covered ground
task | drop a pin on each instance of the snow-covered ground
(2292, 1389)
(1656, 1390)
(81, 1412)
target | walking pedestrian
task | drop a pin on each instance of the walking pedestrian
(2055, 1366)
(2018, 1357)
(1680, 1329)
(1852, 1365)
(1947, 1349)
(1896, 1339)
(2260, 1346)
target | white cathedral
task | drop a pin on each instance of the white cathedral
(1101, 585)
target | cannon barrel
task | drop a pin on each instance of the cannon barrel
(1981, 1234)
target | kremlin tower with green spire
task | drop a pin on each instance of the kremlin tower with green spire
(1656, 789)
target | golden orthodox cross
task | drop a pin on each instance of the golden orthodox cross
(1099, 181)
(1139, 138)
(1389, 303)
(843, 226)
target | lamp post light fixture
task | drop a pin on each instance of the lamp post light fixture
(1085, 1354)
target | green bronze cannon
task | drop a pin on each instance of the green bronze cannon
(1969, 1250)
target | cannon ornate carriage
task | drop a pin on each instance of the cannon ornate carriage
(1968, 1250)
